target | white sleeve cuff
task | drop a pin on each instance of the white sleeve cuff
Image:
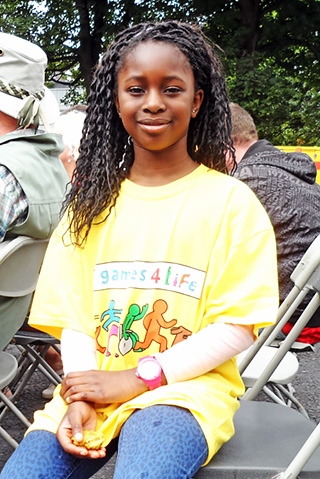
(203, 351)
(78, 351)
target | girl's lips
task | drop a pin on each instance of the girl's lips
(153, 121)
(153, 126)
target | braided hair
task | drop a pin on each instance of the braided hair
(106, 150)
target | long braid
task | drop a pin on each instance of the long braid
(106, 152)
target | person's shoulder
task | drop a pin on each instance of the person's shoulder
(261, 164)
(31, 138)
(300, 158)
(12, 144)
(8, 137)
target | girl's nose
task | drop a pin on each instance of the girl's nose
(154, 102)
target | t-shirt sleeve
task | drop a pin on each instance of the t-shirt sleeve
(69, 303)
(244, 289)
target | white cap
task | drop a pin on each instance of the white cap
(23, 94)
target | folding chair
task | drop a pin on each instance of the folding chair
(303, 455)
(272, 440)
(20, 262)
(33, 346)
(8, 368)
(269, 369)
(269, 438)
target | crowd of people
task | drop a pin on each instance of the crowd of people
(173, 230)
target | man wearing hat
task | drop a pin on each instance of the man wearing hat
(32, 177)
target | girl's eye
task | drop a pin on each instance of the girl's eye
(135, 90)
(173, 89)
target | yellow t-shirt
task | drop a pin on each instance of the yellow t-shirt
(168, 261)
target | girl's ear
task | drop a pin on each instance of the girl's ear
(198, 98)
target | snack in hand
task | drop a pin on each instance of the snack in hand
(91, 440)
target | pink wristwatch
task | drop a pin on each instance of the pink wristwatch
(150, 371)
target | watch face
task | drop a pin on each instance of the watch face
(149, 368)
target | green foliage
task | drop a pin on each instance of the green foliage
(74, 96)
(270, 50)
(269, 93)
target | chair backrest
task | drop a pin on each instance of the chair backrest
(306, 278)
(20, 263)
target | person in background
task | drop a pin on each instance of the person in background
(32, 178)
(285, 183)
(70, 124)
(162, 270)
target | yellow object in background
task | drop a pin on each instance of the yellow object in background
(312, 151)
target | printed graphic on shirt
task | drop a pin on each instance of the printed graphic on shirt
(127, 339)
(149, 275)
(134, 328)
(153, 322)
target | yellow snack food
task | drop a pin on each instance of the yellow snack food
(91, 440)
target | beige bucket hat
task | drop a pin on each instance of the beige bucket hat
(23, 94)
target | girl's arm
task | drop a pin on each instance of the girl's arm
(204, 351)
(200, 353)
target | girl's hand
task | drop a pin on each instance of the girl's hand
(80, 416)
(102, 387)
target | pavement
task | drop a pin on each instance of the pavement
(306, 384)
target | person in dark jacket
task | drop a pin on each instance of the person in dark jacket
(285, 183)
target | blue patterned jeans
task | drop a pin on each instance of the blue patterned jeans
(159, 442)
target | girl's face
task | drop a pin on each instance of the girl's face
(156, 96)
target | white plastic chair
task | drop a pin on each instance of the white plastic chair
(272, 440)
(301, 458)
(33, 346)
(269, 369)
(8, 368)
(269, 438)
(20, 263)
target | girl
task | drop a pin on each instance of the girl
(162, 271)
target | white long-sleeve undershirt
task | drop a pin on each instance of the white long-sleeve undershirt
(204, 351)
(78, 351)
(199, 353)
